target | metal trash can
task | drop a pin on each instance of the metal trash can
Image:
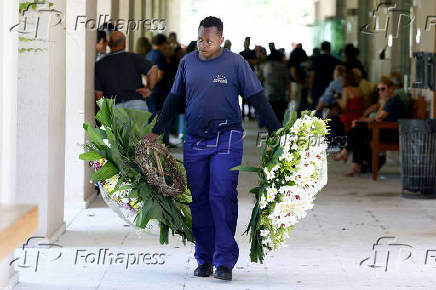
(418, 157)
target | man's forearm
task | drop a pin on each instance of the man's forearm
(263, 108)
(170, 109)
(152, 77)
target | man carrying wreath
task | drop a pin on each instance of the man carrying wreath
(210, 81)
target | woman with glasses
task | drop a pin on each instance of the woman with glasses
(389, 108)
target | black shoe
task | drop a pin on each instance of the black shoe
(204, 270)
(223, 273)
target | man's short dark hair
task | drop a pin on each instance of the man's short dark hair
(325, 46)
(159, 39)
(101, 34)
(212, 21)
(105, 29)
(350, 51)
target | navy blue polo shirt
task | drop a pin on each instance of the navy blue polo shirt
(211, 88)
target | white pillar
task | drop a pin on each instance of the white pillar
(148, 15)
(80, 100)
(124, 14)
(41, 129)
(173, 19)
(137, 15)
(8, 99)
(8, 119)
(104, 7)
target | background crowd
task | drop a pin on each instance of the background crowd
(337, 88)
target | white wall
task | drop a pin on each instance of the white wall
(41, 129)
(173, 18)
(8, 99)
(426, 43)
(8, 117)
(80, 100)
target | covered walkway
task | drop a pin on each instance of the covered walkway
(324, 251)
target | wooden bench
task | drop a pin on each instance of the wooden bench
(17, 223)
(418, 109)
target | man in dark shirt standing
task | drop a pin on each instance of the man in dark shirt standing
(210, 80)
(157, 57)
(322, 72)
(250, 56)
(119, 75)
(297, 57)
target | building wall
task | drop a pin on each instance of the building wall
(41, 127)
(426, 43)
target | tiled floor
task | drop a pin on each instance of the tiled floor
(324, 252)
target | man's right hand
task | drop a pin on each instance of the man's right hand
(151, 137)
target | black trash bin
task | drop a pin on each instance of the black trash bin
(418, 157)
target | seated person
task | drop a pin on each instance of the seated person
(397, 79)
(390, 109)
(335, 87)
(329, 100)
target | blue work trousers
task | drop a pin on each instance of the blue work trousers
(214, 206)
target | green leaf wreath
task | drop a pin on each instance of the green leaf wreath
(111, 152)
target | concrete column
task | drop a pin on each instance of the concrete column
(124, 13)
(426, 42)
(80, 100)
(41, 128)
(104, 7)
(148, 15)
(8, 119)
(137, 15)
(401, 45)
(8, 99)
(364, 10)
(173, 20)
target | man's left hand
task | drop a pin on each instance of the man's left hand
(145, 92)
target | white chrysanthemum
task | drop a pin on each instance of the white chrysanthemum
(286, 156)
(275, 168)
(306, 169)
(263, 203)
(264, 233)
(269, 174)
(271, 193)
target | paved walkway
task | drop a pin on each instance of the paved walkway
(324, 252)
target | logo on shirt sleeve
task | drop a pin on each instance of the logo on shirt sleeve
(221, 79)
